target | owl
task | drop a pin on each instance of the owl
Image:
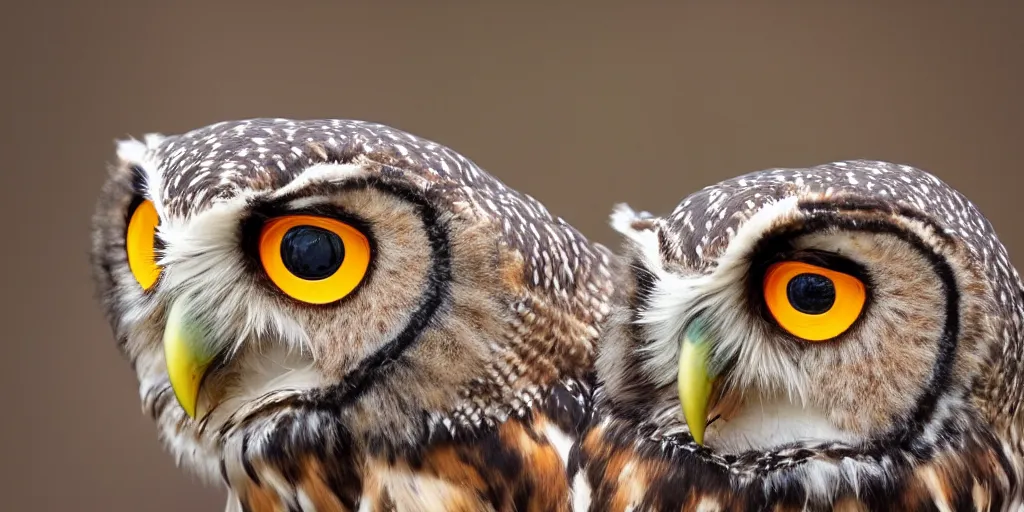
(841, 337)
(336, 315)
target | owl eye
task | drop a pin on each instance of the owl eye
(811, 302)
(140, 242)
(314, 259)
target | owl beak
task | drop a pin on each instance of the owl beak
(695, 379)
(187, 354)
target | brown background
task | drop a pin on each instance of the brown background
(581, 107)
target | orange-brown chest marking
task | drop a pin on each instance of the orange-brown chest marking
(622, 476)
(514, 467)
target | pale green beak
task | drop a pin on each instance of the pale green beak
(188, 356)
(695, 378)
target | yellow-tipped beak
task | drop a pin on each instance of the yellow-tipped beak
(694, 379)
(187, 361)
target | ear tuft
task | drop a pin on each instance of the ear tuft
(154, 139)
(629, 222)
(131, 150)
(134, 150)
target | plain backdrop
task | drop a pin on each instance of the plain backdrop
(580, 105)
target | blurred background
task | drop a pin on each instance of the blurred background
(581, 106)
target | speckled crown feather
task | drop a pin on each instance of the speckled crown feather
(223, 159)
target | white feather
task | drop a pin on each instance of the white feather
(138, 153)
(720, 296)
(332, 172)
(581, 492)
(560, 440)
(761, 425)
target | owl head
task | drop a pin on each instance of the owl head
(284, 288)
(804, 335)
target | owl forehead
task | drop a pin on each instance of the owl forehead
(703, 225)
(225, 159)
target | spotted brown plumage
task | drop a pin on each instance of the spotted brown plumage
(916, 405)
(453, 377)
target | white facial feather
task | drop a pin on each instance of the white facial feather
(772, 421)
(720, 297)
(201, 262)
(271, 371)
(676, 299)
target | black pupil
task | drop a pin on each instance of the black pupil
(812, 294)
(312, 253)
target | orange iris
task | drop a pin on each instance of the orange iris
(811, 302)
(317, 260)
(140, 244)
